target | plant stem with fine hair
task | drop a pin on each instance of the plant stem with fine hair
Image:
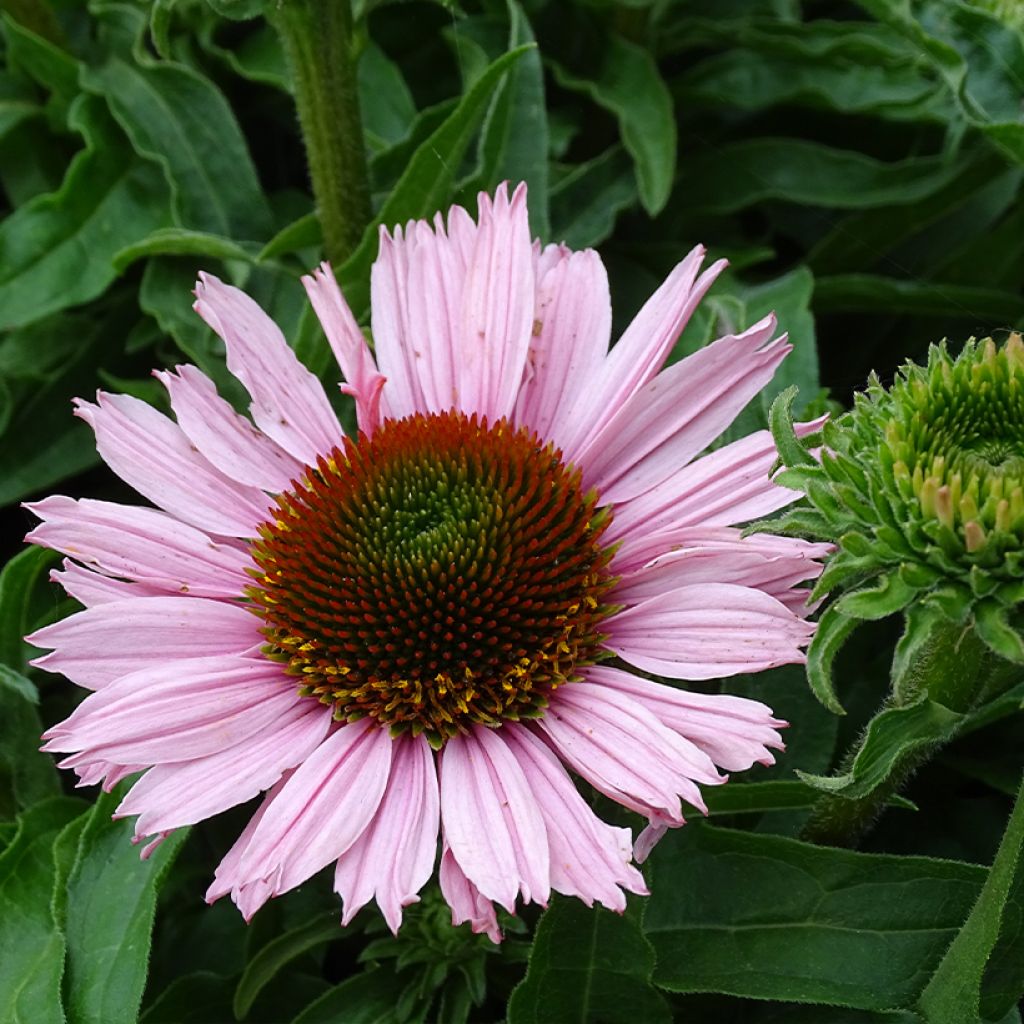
(318, 42)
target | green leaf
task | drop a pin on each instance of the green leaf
(201, 997)
(834, 627)
(49, 65)
(108, 199)
(21, 581)
(278, 953)
(428, 179)
(364, 999)
(780, 422)
(180, 119)
(891, 737)
(31, 944)
(982, 973)
(181, 242)
(588, 965)
(759, 797)
(26, 774)
(385, 101)
(886, 596)
(990, 620)
(300, 234)
(628, 84)
(766, 917)
(17, 103)
(111, 900)
(586, 202)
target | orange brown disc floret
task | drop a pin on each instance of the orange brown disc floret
(440, 573)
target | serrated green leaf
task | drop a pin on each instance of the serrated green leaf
(588, 965)
(628, 84)
(982, 973)
(278, 953)
(31, 944)
(766, 917)
(108, 920)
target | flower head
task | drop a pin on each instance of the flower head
(923, 484)
(409, 636)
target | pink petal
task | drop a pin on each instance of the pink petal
(589, 859)
(152, 454)
(733, 731)
(353, 355)
(394, 857)
(625, 752)
(229, 441)
(491, 820)
(288, 402)
(731, 485)
(176, 794)
(323, 808)
(571, 330)
(90, 588)
(693, 555)
(110, 640)
(178, 711)
(140, 544)
(465, 900)
(679, 413)
(497, 309)
(642, 350)
(707, 631)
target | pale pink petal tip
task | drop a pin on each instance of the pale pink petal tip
(466, 901)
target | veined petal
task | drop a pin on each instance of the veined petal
(153, 455)
(730, 485)
(173, 795)
(323, 808)
(465, 899)
(589, 859)
(228, 440)
(353, 355)
(707, 631)
(108, 641)
(571, 330)
(734, 732)
(625, 752)
(491, 820)
(394, 857)
(680, 412)
(90, 588)
(288, 402)
(178, 711)
(140, 544)
(497, 308)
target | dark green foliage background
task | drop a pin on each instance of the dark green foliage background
(860, 164)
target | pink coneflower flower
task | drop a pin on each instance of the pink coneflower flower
(415, 634)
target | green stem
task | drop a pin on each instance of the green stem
(317, 39)
(951, 667)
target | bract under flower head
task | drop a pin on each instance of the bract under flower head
(923, 482)
(404, 638)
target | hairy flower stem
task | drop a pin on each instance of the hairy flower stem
(317, 39)
(952, 667)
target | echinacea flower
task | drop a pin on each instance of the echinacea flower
(410, 635)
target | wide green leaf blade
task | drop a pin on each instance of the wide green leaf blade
(26, 774)
(767, 917)
(588, 965)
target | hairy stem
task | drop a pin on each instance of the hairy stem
(317, 39)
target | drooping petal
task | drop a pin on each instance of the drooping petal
(153, 455)
(465, 899)
(363, 381)
(589, 859)
(228, 440)
(288, 402)
(178, 711)
(642, 350)
(729, 486)
(571, 330)
(497, 308)
(693, 555)
(491, 820)
(625, 752)
(735, 732)
(394, 857)
(110, 640)
(140, 544)
(707, 631)
(680, 412)
(322, 810)
(173, 795)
